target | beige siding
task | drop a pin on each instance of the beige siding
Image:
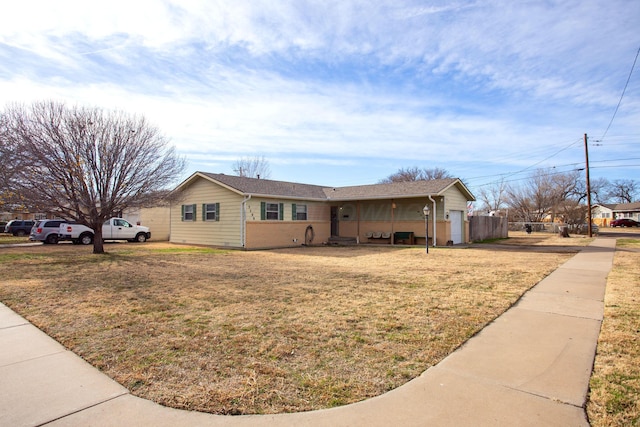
(158, 220)
(455, 200)
(225, 232)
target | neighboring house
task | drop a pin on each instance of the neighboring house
(158, 219)
(25, 215)
(250, 213)
(603, 214)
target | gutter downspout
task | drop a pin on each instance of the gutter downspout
(243, 220)
(433, 202)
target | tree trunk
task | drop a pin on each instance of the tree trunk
(98, 243)
(564, 232)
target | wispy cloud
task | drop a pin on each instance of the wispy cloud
(336, 82)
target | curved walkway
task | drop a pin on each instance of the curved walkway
(531, 366)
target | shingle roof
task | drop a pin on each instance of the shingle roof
(622, 207)
(267, 187)
(627, 206)
(395, 189)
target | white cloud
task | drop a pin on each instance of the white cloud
(333, 81)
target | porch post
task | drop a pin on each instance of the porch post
(392, 209)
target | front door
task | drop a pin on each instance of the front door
(334, 221)
(456, 227)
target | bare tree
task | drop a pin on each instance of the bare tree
(12, 161)
(544, 195)
(252, 167)
(493, 198)
(599, 189)
(87, 163)
(416, 174)
(623, 190)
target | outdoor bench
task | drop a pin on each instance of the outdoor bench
(405, 237)
(378, 235)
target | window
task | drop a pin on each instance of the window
(271, 211)
(299, 212)
(188, 212)
(118, 223)
(211, 212)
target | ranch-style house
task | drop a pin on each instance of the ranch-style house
(251, 213)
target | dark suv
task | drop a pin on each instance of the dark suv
(18, 227)
(46, 231)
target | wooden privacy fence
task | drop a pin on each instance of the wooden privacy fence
(488, 227)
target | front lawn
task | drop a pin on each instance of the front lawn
(233, 332)
(614, 398)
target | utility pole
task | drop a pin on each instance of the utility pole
(586, 155)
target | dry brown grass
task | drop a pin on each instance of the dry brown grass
(614, 398)
(265, 332)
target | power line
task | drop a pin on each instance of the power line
(621, 96)
(510, 174)
(615, 166)
(572, 167)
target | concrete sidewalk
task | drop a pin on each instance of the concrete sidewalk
(529, 367)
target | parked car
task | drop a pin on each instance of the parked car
(19, 227)
(112, 229)
(625, 222)
(46, 231)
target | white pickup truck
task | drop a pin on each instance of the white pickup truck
(112, 229)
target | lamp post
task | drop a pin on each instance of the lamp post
(425, 211)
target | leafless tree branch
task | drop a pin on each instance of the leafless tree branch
(88, 163)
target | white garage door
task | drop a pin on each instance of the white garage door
(456, 226)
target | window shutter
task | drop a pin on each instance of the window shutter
(263, 211)
(293, 211)
(204, 212)
(194, 212)
(281, 211)
(217, 211)
(182, 213)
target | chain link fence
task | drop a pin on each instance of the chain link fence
(552, 227)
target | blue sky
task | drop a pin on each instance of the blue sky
(347, 92)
